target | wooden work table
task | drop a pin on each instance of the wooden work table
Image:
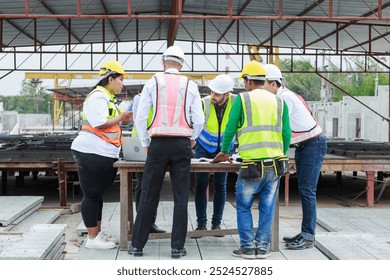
(126, 169)
(60, 166)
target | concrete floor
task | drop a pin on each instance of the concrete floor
(330, 195)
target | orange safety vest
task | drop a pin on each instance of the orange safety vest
(112, 134)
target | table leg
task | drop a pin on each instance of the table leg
(124, 210)
(130, 199)
(370, 188)
(274, 247)
(287, 189)
(62, 182)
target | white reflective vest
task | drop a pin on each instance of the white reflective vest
(300, 114)
(169, 116)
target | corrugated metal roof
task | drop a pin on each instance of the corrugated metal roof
(303, 24)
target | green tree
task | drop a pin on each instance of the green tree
(32, 99)
(308, 85)
(358, 84)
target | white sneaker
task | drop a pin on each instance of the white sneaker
(108, 237)
(99, 243)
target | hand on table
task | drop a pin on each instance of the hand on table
(220, 157)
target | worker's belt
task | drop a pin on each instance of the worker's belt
(255, 169)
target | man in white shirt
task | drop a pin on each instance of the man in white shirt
(177, 121)
(310, 149)
(154, 228)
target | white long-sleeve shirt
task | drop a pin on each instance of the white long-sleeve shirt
(95, 109)
(300, 117)
(194, 111)
(135, 105)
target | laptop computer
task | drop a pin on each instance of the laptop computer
(132, 149)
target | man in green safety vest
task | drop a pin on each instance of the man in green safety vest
(261, 121)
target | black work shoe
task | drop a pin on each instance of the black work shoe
(155, 229)
(199, 228)
(261, 254)
(216, 227)
(136, 252)
(300, 244)
(291, 239)
(177, 253)
(245, 253)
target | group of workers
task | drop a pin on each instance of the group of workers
(171, 119)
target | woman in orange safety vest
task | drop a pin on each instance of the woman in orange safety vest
(97, 147)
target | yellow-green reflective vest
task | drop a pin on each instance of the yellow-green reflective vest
(150, 117)
(212, 133)
(261, 133)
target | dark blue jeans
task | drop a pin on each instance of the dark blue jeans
(246, 190)
(201, 183)
(308, 158)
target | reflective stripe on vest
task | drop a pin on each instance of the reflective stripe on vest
(150, 116)
(300, 136)
(261, 133)
(169, 115)
(212, 134)
(112, 134)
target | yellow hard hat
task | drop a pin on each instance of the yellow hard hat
(253, 70)
(111, 67)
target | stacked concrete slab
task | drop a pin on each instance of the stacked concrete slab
(16, 208)
(26, 231)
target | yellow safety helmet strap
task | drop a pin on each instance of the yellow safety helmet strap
(111, 67)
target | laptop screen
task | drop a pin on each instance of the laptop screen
(132, 149)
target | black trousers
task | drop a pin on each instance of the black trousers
(96, 175)
(138, 186)
(164, 152)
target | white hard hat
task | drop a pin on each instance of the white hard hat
(174, 53)
(221, 84)
(273, 73)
